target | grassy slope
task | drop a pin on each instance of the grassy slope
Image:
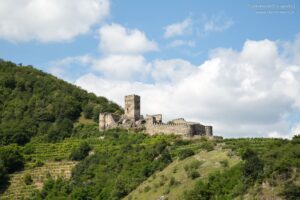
(159, 183)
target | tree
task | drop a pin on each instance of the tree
(12, 158)
(3, 175)
(81, 152)
(253, 167)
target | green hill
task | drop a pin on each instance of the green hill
(51, 148)
(34, 103)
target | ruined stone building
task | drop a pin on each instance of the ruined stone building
(151, 124)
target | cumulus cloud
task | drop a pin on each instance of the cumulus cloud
(116, 39)
(171, 71)
(244, 93)
(124, 67)
(49, 20)
(178, 29)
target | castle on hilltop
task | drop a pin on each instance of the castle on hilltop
(151, 124)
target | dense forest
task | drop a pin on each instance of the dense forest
(34, 103)
(48, 124)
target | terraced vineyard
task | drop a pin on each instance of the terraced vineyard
(46, 160)
(18, 189)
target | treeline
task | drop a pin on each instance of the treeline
(34, 103)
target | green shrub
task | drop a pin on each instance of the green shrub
(185, 153)
(147, 189)
(208, 146)
(193, 174)
(28, 149)
(28, 179)
(166, 191)
(173, 181)
(194, 165)
(80, 152)
(12, 158)
(38, 163)
(291, 191)
(253, 167)
(224, 163)
(3, 175)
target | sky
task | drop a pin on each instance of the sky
(234, 65)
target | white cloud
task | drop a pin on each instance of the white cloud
(122, 66)
(171, 71)
(247, 93)
(116, 39)
(177, 43)
(49, 20)
(217, 24)
(62, 68)
(178, 29)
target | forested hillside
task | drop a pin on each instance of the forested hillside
(34, 103)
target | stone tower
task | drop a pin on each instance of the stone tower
(132, 107)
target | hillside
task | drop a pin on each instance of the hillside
(175, 179)
(51, 148)
(33, 103)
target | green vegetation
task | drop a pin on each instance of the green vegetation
(28, 179)
(269, 160)
(117, 167)
(185, 153)
(80, 152)
(33, 103)
(12, 158)
(51, 148)
(173, 181)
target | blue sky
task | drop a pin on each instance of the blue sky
(200, 55)
(152, 17)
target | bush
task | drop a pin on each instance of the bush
(208, 146)
(224, 163)
(173, 181)
(38, 163)
(147, 188)
(185, 153)
(193, 174)
(253, 167)
(3, 175)
(12, 158)
(81, 152)
(291, 191)
(28, 149)
(60, 130)
(28, 179)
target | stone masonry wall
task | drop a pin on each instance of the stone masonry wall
(177, 129)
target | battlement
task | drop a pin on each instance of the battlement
(170, 124)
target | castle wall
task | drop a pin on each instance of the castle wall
(107, 120)
(208, 130)
(177, 129)
(179, 121)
